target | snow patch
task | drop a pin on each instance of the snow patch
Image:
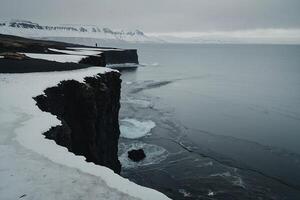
(94, 49)
(77, 52)
(56, 57)
(133, 129)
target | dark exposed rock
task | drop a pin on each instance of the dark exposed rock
(36, 65)
(13, 55)
(136, 155)
(121, 56)
(96, 60)
(89, 114)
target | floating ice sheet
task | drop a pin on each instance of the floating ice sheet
(133, 128)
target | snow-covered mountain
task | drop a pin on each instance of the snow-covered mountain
(34, 30)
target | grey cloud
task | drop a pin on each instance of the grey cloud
(159, 15)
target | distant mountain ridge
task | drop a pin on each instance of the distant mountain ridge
(31, 29)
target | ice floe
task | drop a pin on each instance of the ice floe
(133, 128)
(138, 102)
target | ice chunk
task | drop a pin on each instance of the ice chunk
(139, 102)
(132, 128)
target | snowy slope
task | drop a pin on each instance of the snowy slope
(34, 30)
(33, 167)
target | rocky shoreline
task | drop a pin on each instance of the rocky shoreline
(88, 111)
(85, 104)
(17, 45)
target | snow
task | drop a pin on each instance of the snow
(93, 49)
(42, 33)
(56, 57)
(132, 128)
(77, 52)
(33, 167)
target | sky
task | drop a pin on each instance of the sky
(160, 16)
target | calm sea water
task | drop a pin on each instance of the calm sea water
(227, 120)
(236, 105)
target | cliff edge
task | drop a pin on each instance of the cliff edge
(89, 114)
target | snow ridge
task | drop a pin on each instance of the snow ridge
(31, 29)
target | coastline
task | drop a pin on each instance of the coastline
(41, 121)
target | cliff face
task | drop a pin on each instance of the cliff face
(121, 56)
(89, 114)
(97, 60)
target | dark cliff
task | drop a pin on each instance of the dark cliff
(89, 114)
(121, 56)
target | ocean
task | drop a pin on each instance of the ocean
(227, 120)
(216, 121)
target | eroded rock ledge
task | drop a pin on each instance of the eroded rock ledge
(89, 114)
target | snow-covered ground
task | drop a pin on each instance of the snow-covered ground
(56, 57)
(33, 167)
(34, 30)
(75, 55)
(85, 52)
(93, 49)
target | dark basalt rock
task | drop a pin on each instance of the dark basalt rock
(136, 155)
(97, 60)
(121, 56)
(89, 114)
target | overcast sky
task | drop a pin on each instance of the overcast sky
(159, 15)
